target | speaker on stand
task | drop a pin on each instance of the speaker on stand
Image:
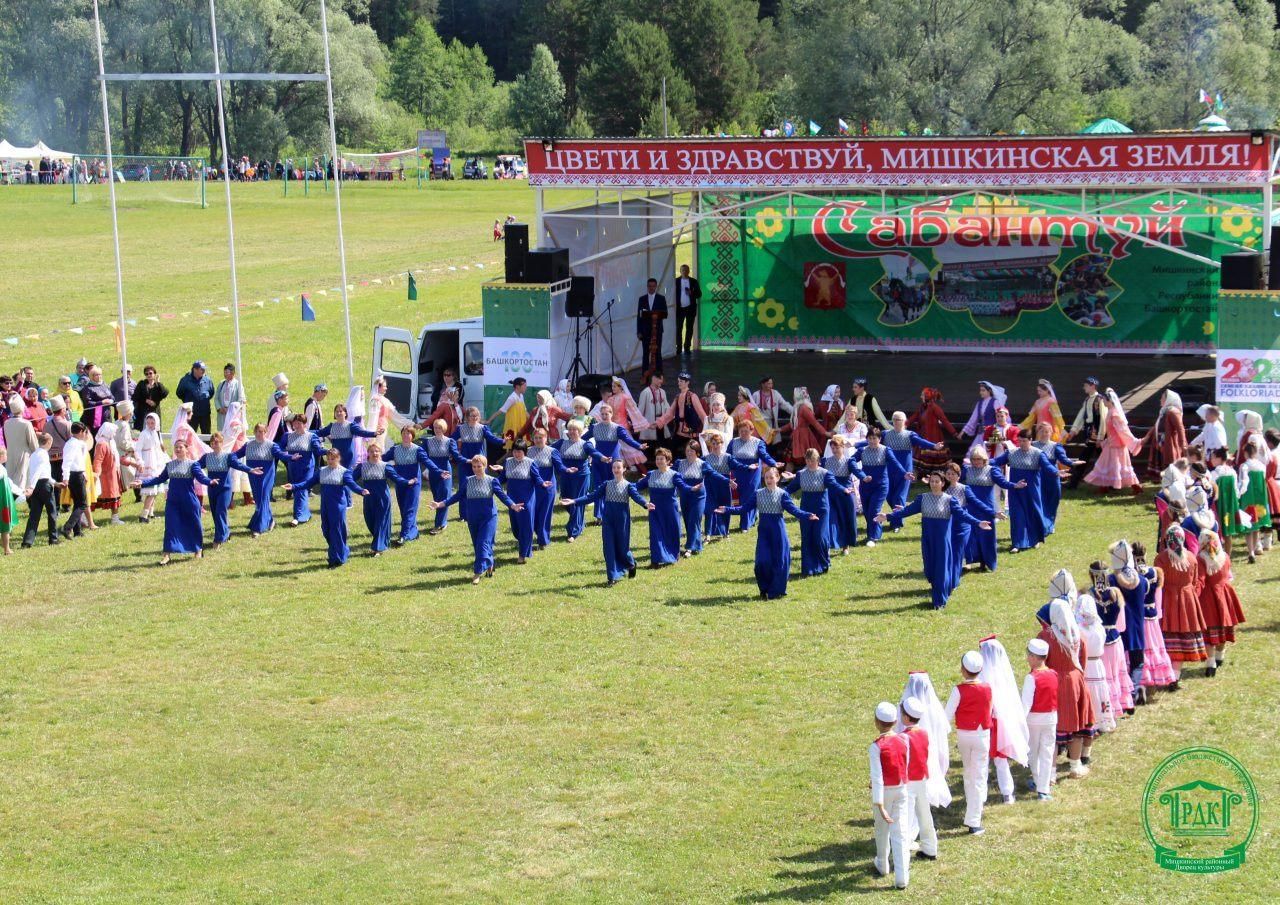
(516, 239)
(1241, 270)
(1273, 266)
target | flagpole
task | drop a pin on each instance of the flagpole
(226, 184)
(337, 189)
(111, 190)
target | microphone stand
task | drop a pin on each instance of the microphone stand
(578, 367)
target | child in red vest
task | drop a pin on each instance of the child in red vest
(969, 707)
(1040, 701)
(918, 776)
(889, 755)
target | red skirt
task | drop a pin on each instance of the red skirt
(1075, 706)
(1222, 613)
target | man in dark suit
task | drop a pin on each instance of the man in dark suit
(688, 295)
(650, 313)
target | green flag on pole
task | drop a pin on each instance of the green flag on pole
(413, 288)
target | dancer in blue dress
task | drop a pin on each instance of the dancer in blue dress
(717, 469)
(693, 501)
(376, 477)
(937, 509)
(260, 455)
(336, 484)
(579, 457)
(303, 450)
(409, 461)
(773, 547)
(607, 436)
(480, 513)
(982, 479)
(961, 530)
(814, 483)
(551, 466)
(901, 443)
(749, 453)
(842, 532)
(881, 469)
(523, 478)
(443, 451)
(342, 433)
(473, 435)
(615, 495)
(1030, 468)
(666, 487)
(218, 466)
(183, 526)
(1051, 489)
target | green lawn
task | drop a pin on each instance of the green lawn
(257, 728)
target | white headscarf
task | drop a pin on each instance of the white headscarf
(564, 395)
(997, 393)
(1091, 630)
(1062, 622)
(1171, 401)
(1122, 560)
(356, 409)
(106, 434)
(1012, 738)
(829, 394)
(182, 430)
(150, 445)
(938, 728)
(1249, 420)
(1198, 508)
(236, 431)
(1048, 386)
(800, 395)
(1063, 585)
(1174, 484)
(1113, 403)
(1211, 562)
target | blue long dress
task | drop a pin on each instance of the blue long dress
(693, 503)
(665, 489)
(615, 534)
(606, 438)
(481, 515)
(813, 485)
(937, 510)
(981, 548)
(523, 478)
(552, 467)
(474, 439)
(341, 436)
(745, 454)
(773, 547)
(582, 456)
(842, 531)
(336, 485)
(1026, 510)
(901, 444)
(961, 531)
(218, 467)
(409, 462)
(1051, 488)
(301, 450)
(1134, 636)
(443, 451)
(882, 468)
(377, 478)
(183, 525)
(262, 455)
(717, 469)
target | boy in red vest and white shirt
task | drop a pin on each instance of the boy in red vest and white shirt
(918, 776)
(889, 755)
(1040, 701)
(969, 707)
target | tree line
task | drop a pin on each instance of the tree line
(489, 71)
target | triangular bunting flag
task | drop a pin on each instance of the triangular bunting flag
(11, 340)
(413, 289)
(308, 313)
(156, 320)
(78, 331)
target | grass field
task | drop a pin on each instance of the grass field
(257, 728)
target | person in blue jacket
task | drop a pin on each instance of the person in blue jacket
(480, 512)
(814, 483)
(473, 435)
(615, 496)
(551, 466)
(341, 434)
(718, 468)
(961, 530)
(901, 443)
(301, 448)
(982, 480)
(409, 461)
(1050, 489)
(260, 456)
(336, 482)
(937, 509)
(666, 487)
(376, 477)
(218, 466)
(523, 478)
(183, 525)
(693, 502)
(842, 532)
(773, 547)
(749, 454)
(607, 436)
(443, 451)
(1030, 468)
(882, 469)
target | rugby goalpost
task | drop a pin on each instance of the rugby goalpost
(218, 77)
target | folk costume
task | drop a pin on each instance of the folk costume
(664, 518)
(814, 485)
(1182, 618)
(377, 478)
(842, 532)
(773, 547)
(219, 467)
(614, 498)
(183, 523)
(1114, 468)
(693, 499)
(336, 486)
(1045, 410)
(523, 478)
(581, 461)
(937, 511)
(481, 515)
(931, 423)
(749, 457)
(970, 708)
(982, 483)
(883, 468)
(410, 460)
(1026, 507)
(1167, 438)
(261, 454)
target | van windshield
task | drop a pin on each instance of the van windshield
(473, 359)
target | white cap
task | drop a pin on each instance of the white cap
(912, 707)
(886, 712)
(1038, 646)
(972, 661)
(280, 380)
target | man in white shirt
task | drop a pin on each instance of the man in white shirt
(772, 405)
(653, 405)
(688, 295)
(74, 454)
(38, 488)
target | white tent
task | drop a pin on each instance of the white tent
(35, 152)
(46, 151)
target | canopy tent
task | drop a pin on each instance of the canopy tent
(1212, 123)
(1105, 126)
(35, 152)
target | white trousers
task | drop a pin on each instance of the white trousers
(1004, 776)
(891, 838)
(921, 817)
(975, 753)
(1044, 744)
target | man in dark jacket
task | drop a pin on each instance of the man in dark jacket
(122, 387)
(147, 397)
(196, 388)
(651, 311)
(688, 295)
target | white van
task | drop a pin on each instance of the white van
(413, 366)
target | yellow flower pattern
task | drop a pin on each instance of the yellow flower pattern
(769, 222)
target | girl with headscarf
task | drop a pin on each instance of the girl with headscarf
(562, 398)
(807, 431)
(982, 481)
(1250, 425)
(983, 416)
(1254, 500)
(151, 456)
(1076, 714)
(1045, 410)
(719, 421)
(1200, 517)
(938, 727)
(1114, 468)
(1111, 612)
(1157, 671)
(1182, 619)
(614, 497)
(1135, 587)
(747, 412)
(1167, 439)
(749, 452)
(580, 458)
(1010, 737)
(830, 408)
(106, 469)
(930, 422)
(1218, 601)
(124, 444)
(1233, 520)
(1095, 674)
(842, 534)
(546, 415)
(773, 548)
(183, 523)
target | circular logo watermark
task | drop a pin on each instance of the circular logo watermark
(1199, 811)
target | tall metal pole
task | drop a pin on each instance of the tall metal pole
(337, 190)
(111, 185)
(226, 184)
(665, 133)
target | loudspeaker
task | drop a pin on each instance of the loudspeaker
(516, 236)
(547, 265)
(593, 386)
(1273, 271)
(581, 301)
(1241, 270)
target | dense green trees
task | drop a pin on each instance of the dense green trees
(490, 70)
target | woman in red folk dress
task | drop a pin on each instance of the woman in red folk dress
(1218, 601)
(1167, 439)
(547, 416)
(807, 431)
(830, 407)
(930, 422)
(1181, 620)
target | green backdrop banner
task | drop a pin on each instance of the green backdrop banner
(970, 271)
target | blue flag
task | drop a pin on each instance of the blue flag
(308, 313)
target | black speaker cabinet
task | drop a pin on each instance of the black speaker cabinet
(547, 265)
(1241, 270)
(1273, 270)
(593, 386)
(516, 236)
(581, 301)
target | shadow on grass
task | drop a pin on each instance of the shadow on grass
(829, 870)
(886, 610)
(723, 600)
